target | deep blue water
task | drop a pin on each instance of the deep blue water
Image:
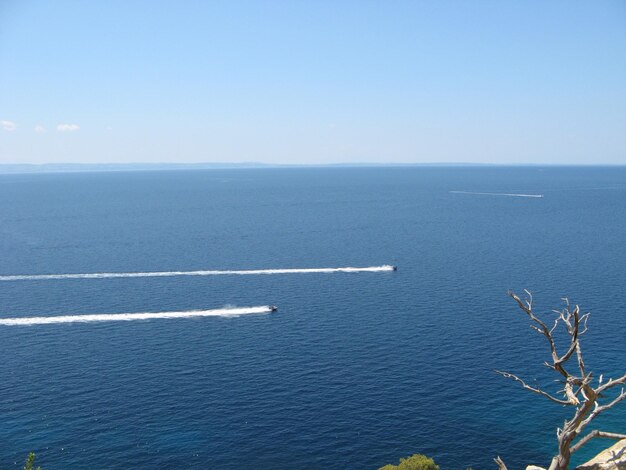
(355, 370)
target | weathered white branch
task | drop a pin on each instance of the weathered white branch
(596, 433)
(527, 308)
(508, 375)
(612, 383)
(578, 389)
(500, 463)
(601, 408)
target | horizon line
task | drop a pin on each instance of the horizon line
(50, 167)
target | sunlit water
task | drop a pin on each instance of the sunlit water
(355, 369)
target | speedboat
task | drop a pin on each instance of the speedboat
(273, 308)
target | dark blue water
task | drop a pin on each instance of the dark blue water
(354, 370)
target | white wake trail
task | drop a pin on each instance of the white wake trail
(497, 194)
(47, 277)
(224, 312)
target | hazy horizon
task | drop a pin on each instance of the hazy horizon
(42, 168)
(321, 83)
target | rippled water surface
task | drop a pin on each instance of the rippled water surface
(354, 370)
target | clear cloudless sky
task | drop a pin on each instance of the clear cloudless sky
(319, 81)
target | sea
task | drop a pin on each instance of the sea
(355, 369)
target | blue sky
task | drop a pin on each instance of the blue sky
(313, 81)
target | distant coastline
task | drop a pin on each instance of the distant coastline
(29, 168)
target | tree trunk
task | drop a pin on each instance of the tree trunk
(558, 463)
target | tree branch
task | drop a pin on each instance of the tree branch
(612, 383)
(508, 375)
(578, 390)
(596, 433)
(500, 463)
(544, 330)
(600, 409)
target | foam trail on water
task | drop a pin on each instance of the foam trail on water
(46, 277)
(497, 194)
(224, 312)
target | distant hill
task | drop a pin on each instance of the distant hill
(99, 167)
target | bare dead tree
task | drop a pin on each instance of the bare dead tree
(588, 396)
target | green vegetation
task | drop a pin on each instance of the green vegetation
(30, 462)
(414, 462)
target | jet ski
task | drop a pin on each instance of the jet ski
(273, 308)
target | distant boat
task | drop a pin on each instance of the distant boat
(273, 308)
